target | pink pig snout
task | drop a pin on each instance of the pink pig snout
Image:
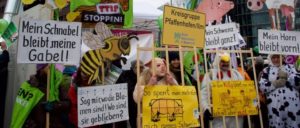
(255, 5)
(226, 5)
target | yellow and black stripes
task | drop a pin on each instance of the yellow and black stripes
(91, 63)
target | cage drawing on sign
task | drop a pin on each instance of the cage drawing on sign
(166, 108)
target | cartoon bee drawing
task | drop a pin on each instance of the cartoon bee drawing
(106, 48)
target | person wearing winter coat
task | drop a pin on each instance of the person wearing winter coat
(279, 83)
(37, 117)
(222, 63)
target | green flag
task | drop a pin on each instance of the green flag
(55, 80)
(28, 97)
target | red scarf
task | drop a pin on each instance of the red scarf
(221, 73)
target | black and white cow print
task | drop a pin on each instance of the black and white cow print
(283, 103)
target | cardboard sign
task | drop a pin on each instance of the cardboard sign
(108, 8)
(94, 17)
(231, 98)
(183, 27)
(102, 104)
(49, 42)
(279, 42)
(170, 107)
(222, 35)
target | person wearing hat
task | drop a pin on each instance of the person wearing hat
(280, 84)
(259, 66)
(221, 71)
(175, 69)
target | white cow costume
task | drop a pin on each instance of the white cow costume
(225, 75)
(278, 84)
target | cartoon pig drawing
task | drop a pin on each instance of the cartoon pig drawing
(286, 7)
(255, 5)
(214, 9)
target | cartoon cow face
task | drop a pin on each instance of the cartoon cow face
(255, 5)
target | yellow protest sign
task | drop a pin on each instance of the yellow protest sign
(183, 27)
(170, 107)
(231, 98)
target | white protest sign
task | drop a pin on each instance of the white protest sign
(49, 42)
(222, 35)
(279, 42)
(102, 104)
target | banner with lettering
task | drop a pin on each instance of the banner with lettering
(28, 97)
(231, 98)
(222, 35)
(279, 42)
(49, 42)
(112, 12)
(102, 104)
(170, 107)
(183, 27)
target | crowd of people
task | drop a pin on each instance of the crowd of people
(278, 89)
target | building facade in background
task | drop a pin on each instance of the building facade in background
(251, 21)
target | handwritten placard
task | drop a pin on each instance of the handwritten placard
(170, 107)
(49, 42)
(231, 98)
(102, 104)
(279, 42)
(222, 35)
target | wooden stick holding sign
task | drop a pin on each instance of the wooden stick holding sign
(198, 84)
(244, 76)
(50, 48)
(47, 95)
(255, 104)
(256, 85)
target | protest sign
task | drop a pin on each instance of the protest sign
(183, 27)
(222, 35)
(170, 106)
(231, 98)
(102, 104)
(279, 42)
(49, 42)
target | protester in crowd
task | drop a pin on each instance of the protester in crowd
(259, 66)
(148, 77)
(130, 77)
(278, 84)
(243, 71)
(222, 62)
(174, 67)
(4, 59)
(68, 72)
(37, 117)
